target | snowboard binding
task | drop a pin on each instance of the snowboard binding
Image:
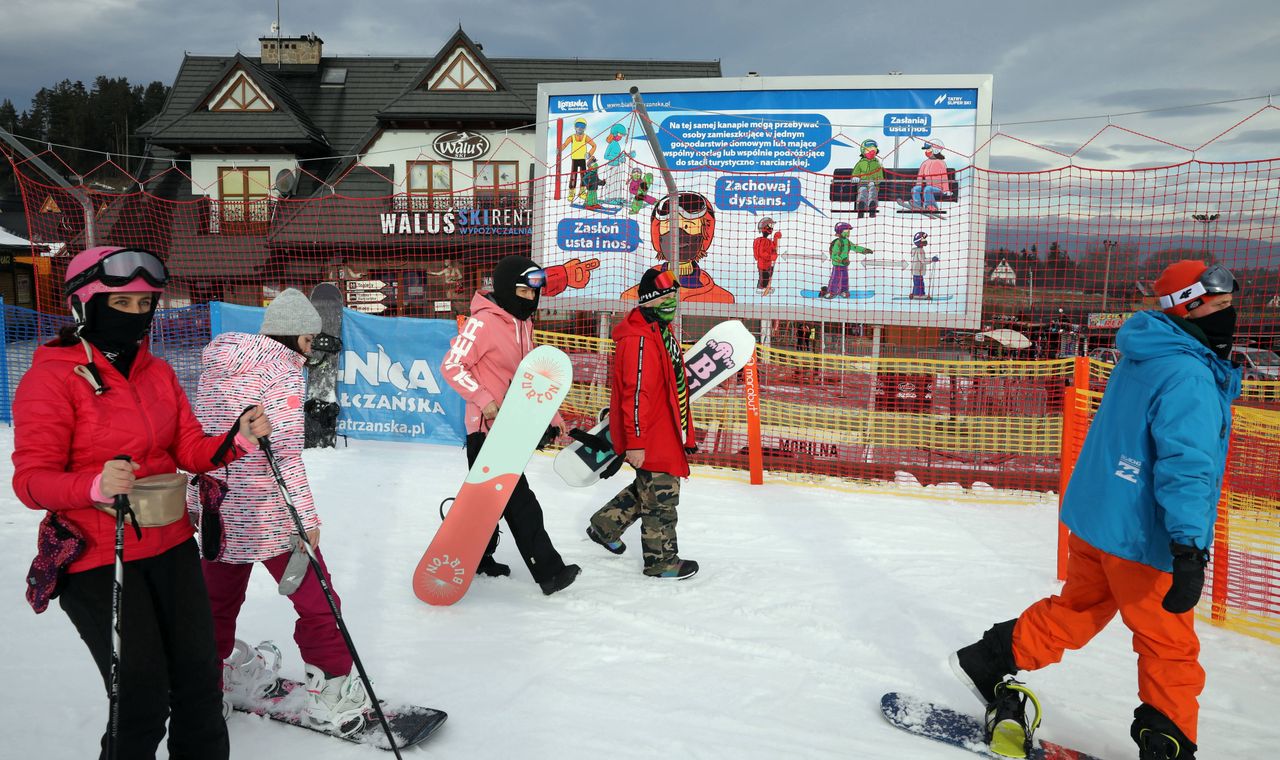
(1007, 730)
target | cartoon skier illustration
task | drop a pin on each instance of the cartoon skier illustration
(697, 219)
(581, 147)
(592, 182)
(920, 261)
(840, 249)
(765, 250)
(638, 189)
(614, 170)
(931, 180)
(868, 173)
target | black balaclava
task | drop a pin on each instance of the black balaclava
(1220, 328)
(117, 334)
(506, 276)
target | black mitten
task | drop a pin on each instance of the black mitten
(1188, 578)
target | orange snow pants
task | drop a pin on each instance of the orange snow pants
(1098, 585)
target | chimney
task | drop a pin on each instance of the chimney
(304, 50)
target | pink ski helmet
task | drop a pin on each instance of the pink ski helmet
(111, 269)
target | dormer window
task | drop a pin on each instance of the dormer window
(462, 73)
(241, 94)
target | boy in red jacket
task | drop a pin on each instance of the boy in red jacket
(765, 249)
(651, 427)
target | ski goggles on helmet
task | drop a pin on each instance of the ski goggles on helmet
(121, 268)
(691, 206)
(533, 278)
(1215, 280)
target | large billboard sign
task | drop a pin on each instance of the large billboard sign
(860, 188)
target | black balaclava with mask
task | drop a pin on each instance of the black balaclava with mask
(117, 334)
(1219, 329)
(507, 275)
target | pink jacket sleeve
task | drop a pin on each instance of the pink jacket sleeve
(465, 352)
(281, 397)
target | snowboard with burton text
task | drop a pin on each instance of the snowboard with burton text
(540, 385)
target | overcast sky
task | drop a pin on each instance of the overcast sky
(1050, 60)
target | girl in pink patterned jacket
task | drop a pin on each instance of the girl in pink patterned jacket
(256, 525)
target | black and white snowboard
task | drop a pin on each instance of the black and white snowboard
(958, 729)
(725, 349)
(410, 724)
(322, 369)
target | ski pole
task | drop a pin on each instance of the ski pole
(117, 595)
(324, 586)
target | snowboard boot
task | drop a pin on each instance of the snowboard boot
(1158, 738)
(862, 210)
(560, 580)
(492, 568)
(983, 664)
(873, 208)
(616, 547)
(251, 675)
(1007, 731)
(683, 569)
(335, 704)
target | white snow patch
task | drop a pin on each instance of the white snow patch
(811, 603)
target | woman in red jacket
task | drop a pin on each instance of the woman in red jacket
(651, 426)
(93, 394)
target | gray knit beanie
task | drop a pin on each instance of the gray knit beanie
(291, 313)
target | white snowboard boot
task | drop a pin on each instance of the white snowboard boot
(336, 705)
(251, 674)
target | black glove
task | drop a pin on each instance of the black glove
(552, 433)
(612, 468)
(1188, 578)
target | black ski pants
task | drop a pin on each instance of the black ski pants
(524, 517)
(169, 669)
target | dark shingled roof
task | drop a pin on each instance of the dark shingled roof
(319, 122)
(289, 124)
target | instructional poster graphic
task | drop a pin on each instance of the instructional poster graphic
(839, 198)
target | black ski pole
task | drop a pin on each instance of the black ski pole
(117, 595)
(324, 586)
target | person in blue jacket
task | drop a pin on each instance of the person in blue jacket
(1141, 506)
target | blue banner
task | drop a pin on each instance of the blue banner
(388, 382)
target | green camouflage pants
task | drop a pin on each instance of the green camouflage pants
(652, 499)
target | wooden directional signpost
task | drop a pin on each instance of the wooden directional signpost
(368, 296)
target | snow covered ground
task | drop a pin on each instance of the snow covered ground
(811, 603)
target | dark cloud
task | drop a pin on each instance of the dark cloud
(1050, 61)
(1269, 137)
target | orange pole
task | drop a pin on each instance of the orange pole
(755, 449)
(1074, 427)
(1221, 561)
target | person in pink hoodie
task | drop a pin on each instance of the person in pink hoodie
(932, 179)
(480, 364)
(256, 526)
